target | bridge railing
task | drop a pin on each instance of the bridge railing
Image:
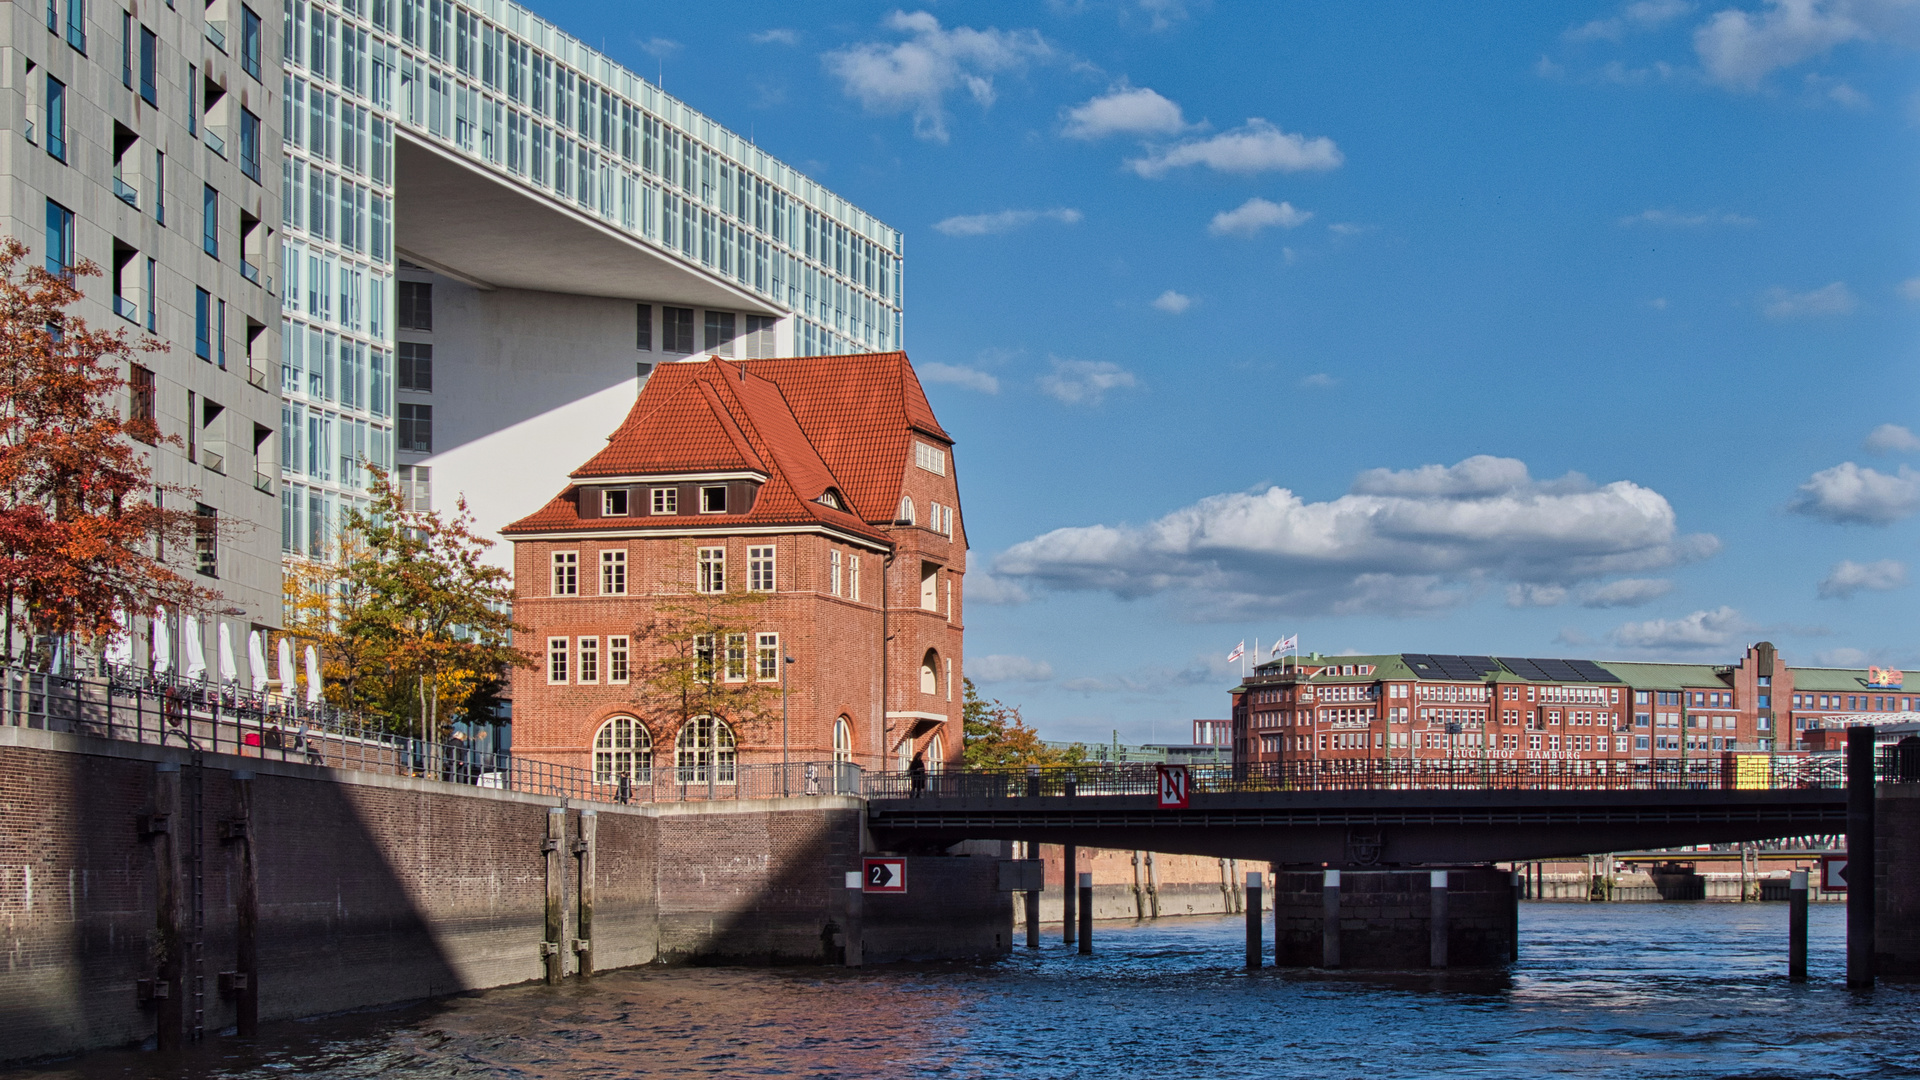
(1714, 772)
(130, 706)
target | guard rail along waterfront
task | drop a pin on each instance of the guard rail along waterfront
(131, 705)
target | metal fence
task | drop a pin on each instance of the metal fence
(132, 706)
(1717, 772)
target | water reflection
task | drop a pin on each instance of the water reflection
(1674, 990)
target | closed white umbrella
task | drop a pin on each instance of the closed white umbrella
(313, 675)
(229, 671)
(257, 661)
(287, 684)
(196, 648)
(162, 643)
(120, 643)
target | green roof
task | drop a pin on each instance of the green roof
(1669, 676)
(1845, 680)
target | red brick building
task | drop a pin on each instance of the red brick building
(826, 485)
(1421, 707)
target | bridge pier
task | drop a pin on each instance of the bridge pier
(1070, 868)
(1394, 919)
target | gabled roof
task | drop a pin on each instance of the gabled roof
(809, 424)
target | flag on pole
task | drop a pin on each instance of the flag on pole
(1239, 651)
(1292, 641)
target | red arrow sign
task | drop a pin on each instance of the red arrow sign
(1173, 787)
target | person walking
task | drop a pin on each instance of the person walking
(917, 775)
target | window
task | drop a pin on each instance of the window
(676, 330)
(76, 24)
(613, 573)
(617, 659)
(643, 327)
(142, 419)
(250, 145)
(703, 657)
(666, 500)
(149, 67)
(703, 752)
(210, 221)
(760, 569)
(853, 577)
(566, 573)
(623, 750)
(557, 656)
(413, 429)
(589, 670)
(929, 586)
(720, 332)
(56, 118)
(930, 673)
(416, 305)
(206, 540)
(59, 239)
(833, 572)
(713, 500)
(613, 502)
(250, 42)
(930, 457)
(416, 365)
(905, 516)
(842, 741)
(767, 657)
(713, 570)
(202, 324)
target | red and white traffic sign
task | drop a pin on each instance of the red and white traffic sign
(884, 876)
(1833, 873)
(1173, 787)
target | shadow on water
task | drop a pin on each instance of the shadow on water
(1651, 991)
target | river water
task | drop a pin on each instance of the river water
(1636, 991)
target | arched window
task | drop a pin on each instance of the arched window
(624, 747)
(905, 517)
(936, 754)
(930, 673)
(842, 741)
(703, 749)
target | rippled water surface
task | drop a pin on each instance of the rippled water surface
(1602, 990)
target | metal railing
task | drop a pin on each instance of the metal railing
(1730, 772)
(133, 705)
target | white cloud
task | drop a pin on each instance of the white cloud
(1124, 110)
(1739, 48)
(1164, 13)
(1626, 592)
(1256, 214)
(1003, 221)
(1085, 382)
(1848, 577)
(916, 75)
(660, 47)
(1700, 630)
(1857, 495)
(1319, 380)
(1173, 303)
(776, 36)
(1003, 668)
(1679, 219)
(1402, 542)
(1258, 147)
(1642, 15)
(1889, 438)
(1833, 299)
(986, 588)
(970, 378)
(1525, 595)
(1910, 288)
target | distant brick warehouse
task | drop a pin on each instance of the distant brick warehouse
(824, 485)
(1415, 706)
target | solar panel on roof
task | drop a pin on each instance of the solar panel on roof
(1593, 672)
(1481, 664)
(1558, 670)
(1523, 667)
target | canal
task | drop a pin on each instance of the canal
(1602, 990)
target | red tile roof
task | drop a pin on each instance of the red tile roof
(809, 423)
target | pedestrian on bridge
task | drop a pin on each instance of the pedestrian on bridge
(917, 775)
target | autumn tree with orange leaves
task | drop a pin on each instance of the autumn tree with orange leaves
(80, 532)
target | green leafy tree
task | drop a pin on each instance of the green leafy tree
(697, 655)
(997, 737)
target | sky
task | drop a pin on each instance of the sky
(1577, 330)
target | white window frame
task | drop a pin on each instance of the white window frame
(665, 500)
(712, 569)
(766, 653)
(853, 577)
(612, 561)
(559, 660)
(619, 659)
(586, 660)
(930, 457)
(606, 501)
(734, 664)
(761, 569)
(566, 569)
(724, 501)
(833, 572)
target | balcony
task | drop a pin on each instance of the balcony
(257, 377)
(215, 143)
(249, 271)
(126, 309)
(263, 481)
(217, 33)
(214, 461)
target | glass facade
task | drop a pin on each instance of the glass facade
(513, 95)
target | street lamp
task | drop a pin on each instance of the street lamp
(784, 763)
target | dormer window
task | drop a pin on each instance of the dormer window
(830, 498)
(666, 500)
(713, 500)
(613, 502)
(930, 457)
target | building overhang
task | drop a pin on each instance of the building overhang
(465, 218)
(629, 529)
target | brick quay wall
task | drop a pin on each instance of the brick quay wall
(360, 889)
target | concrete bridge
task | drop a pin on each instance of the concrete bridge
(1365, 814)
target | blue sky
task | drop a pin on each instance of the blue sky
(1557, 329)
